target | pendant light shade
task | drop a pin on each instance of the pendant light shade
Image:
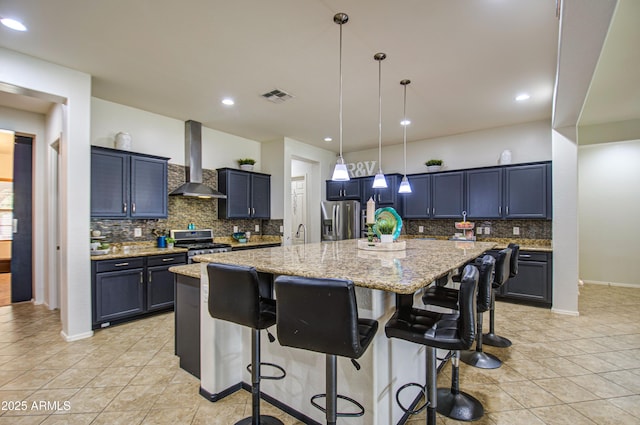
(405, 186)
(379, 182)
(340, 172)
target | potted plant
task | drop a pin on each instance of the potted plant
(386, 229)
(433, 165)
(170, 242)
(246, 164)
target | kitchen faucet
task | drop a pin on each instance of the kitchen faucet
(304, 229)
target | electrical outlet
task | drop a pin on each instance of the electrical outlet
(257, 227)
(516, 231)
(479, 231)
(487, 230)
(235, 229)
(420, 229)
(137, 232)
(281, 229)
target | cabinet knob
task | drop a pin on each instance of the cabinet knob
(507, 209)
(148, 278)
(167, 259)
(253, 211)
(133, 207)
(121, 264)
(141, 278)
(500, 210)
(124, 207)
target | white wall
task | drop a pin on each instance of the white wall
(163, 136)
(609, 201)
(74, 89)
(528, 142)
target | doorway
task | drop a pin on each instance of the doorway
(299, 209)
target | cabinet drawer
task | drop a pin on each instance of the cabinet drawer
(160, 260)
(119, 264)
(532, 256)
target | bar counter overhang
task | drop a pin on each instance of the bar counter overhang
(379, 277)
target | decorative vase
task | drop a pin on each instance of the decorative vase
(433, 168)
(123, 141)
(246, 167)
(386, 238)
(162, 241)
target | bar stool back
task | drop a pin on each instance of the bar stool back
(321, 315)
(234, 296)
(438, 330)
(503, 273)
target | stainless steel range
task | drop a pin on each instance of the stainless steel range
(198, 242)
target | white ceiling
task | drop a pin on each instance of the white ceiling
(467, 60)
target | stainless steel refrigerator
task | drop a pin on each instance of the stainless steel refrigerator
(340, 220)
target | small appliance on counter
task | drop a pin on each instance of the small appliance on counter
(198, 242)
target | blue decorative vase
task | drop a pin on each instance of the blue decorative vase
(162, 241)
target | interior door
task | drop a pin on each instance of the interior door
(21, 247)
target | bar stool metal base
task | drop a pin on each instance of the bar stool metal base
(480, 359)
(264, 420)
(461, 406)
(495, 340)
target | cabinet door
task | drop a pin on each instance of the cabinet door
(448, 195)
(109, 184)
(351, 190)
(526, 191)
(334, 190)
(484, 193)
(417, 203)
(388, 196)
(530, 284)
(261, 196)
(148, 187)
(367, 191)
(160, 291)
(238, 193)
(119, 294)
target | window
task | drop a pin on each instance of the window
(6, 210)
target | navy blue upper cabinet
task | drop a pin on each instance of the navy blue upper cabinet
(148, 187)
(417, 204)
(484, 193)
(127, 185)
(343, 190)
(386, 197)
(525, 193)
(447, 195)
(248, 194)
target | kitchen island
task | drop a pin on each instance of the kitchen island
(379, 277)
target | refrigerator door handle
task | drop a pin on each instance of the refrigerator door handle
(337, 227)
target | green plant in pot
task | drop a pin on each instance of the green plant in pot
(433, 164)
(246, 163)
(170, 242)
(386, 228)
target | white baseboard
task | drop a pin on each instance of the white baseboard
(565, 312)
(76, 337)
(620, 284)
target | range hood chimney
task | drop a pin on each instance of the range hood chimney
(193, 170)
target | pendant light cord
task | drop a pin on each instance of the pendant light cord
(341, 159)
(404, 128)
(380, 114)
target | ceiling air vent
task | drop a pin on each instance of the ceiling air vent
(277, 96)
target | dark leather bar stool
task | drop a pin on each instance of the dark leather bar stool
(321, 315)
(235, 296)
(438, 330)
(504, 269)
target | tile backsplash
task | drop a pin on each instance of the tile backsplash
(529, 229)
(203, 213)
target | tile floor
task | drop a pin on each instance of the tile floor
(560, 370)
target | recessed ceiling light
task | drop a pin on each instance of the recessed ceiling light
(523, 96)
(405, 122)
(328, 139)
(13, 24)
(228, 101)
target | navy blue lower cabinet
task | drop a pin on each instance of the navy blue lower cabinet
(532, 284)
(119, 294)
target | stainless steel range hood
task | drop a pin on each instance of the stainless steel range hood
(193, 170)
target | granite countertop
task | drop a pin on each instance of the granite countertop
(540, 245)
(255, 240)
(135, 250)
(191, 270)
(402, 272)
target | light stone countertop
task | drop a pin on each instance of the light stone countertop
(140, 250)
(402, 272)
(191, 270)
(254, 241)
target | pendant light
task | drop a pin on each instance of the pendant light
(340, 172)
(405, 186)
(379, 182)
